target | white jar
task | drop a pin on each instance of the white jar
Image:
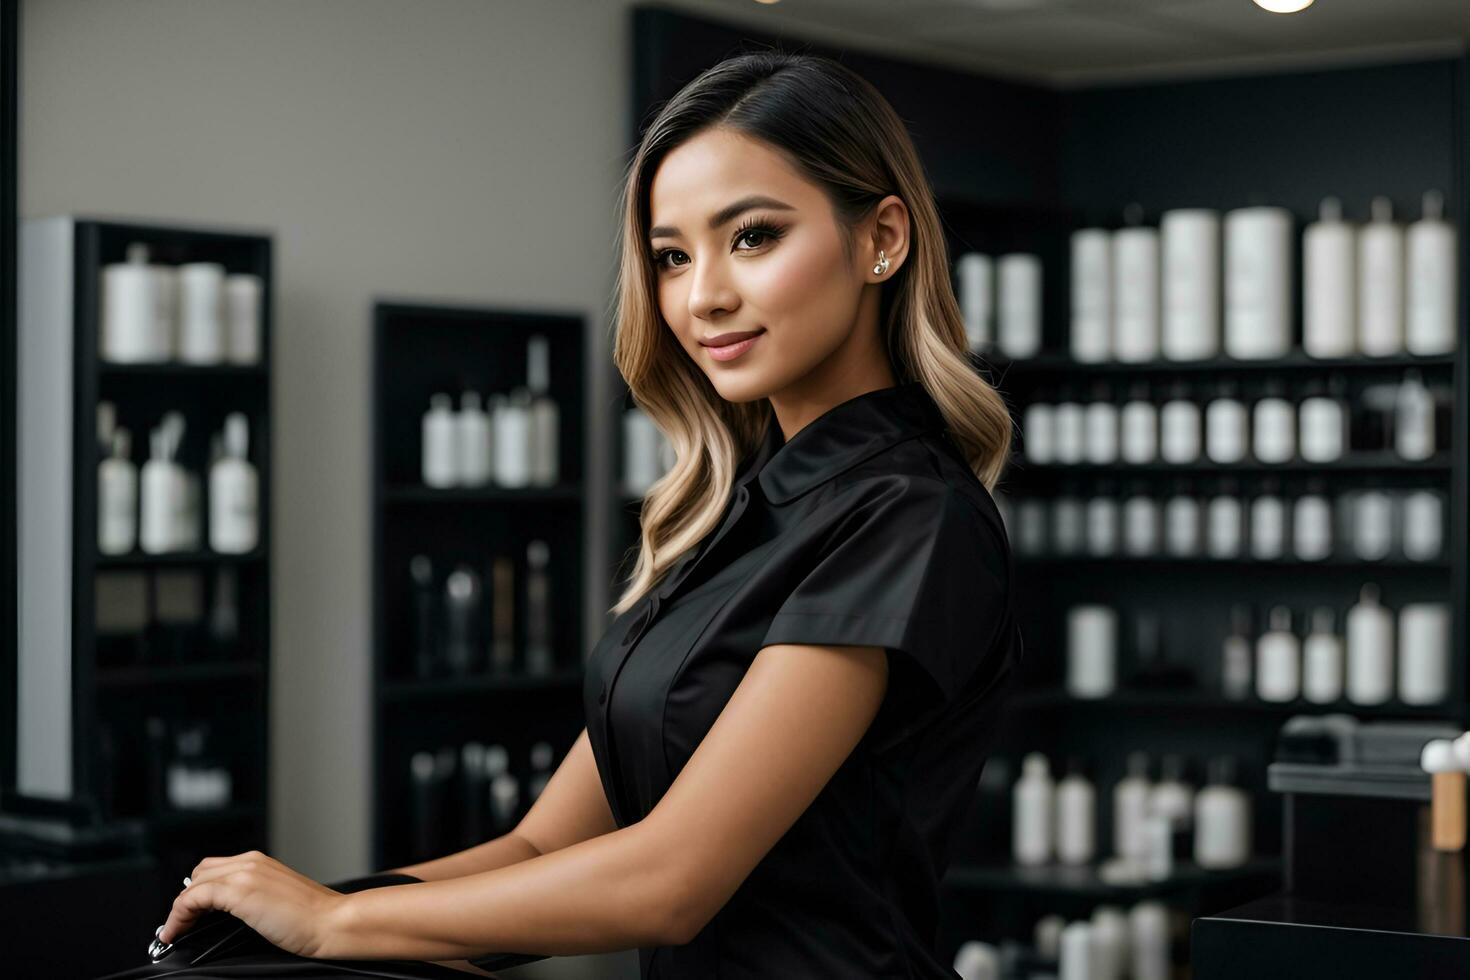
(1322, 429)
(1424, 652)
(1226, 428)
(1139, 439)
(1092, 650)
(1224, 527)
(1273, 428)
(1423, 525)
(1038, 433)
(1179, 430)
(1101, 432)
(1268, 526)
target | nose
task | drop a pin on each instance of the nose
(710, 293)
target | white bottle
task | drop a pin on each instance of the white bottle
(1430, 261)
(1222, 819)
(1130, 807)
(1329, 263)
(1139, 428)
(1140, 523)
(160, 493)
(1092, 650)
(1372, 524)
(1381, 283)
(975, 960)
(975, 284)
(1236, 656)
(1100, 428)
(1172, 797)
(1311, 524)
(1179, 428)
(243, 318)
(202, 313)
(1091, 339)
(234, 493)
(1413, 418)
(1224, 524)
(472, 441)
(1038, 433)
(439, 464)
(512, 439)
(1278, 660)
(1076, 817)
(1181, 523)
(1322, 659)
(1068, 520)
(1226, 428)
(1136, 293)
(1102, 524)
(1423, 525)
(1109, 939)
(1321, 429)
(1268, 525)
(1033, 802)
(1148, 941)
(131, 332)
(1190, 250)
(117, 498)
(1273, 428)
(545, 415)
(1077, 959)
(1424, 652)
(1070, 427)
(1258, 274)
(1369, 650)
(1019, 304)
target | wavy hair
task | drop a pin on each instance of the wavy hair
(843, 136)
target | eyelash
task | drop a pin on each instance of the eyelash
(756, 224)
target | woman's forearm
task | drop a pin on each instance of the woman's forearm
(615, 891)
(494, 853)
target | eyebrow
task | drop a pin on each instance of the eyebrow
(726, 214)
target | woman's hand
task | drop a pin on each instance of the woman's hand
(287, 908)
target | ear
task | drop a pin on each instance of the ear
(890, 234)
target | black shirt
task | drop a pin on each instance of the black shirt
(869, 528)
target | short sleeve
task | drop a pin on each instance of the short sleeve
(912, 566)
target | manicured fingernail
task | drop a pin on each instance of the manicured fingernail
(188, 881)
(158, 933)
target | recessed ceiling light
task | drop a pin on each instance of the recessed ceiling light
(1283, 6)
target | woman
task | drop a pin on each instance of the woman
(793, 706)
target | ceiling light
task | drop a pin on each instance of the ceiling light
(1283, 6)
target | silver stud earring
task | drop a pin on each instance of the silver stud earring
(882, 265)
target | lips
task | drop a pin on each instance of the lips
(725, 339)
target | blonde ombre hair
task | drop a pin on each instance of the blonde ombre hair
(844, 137)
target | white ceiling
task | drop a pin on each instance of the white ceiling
(1072, 43)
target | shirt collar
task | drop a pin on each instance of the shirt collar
(838, 440)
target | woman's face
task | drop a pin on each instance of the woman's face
(776, 270)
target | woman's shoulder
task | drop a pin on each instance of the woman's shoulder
(921, 477)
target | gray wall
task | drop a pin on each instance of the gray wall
(447, 150)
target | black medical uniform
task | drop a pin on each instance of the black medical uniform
(868, 528)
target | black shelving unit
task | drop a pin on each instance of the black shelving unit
(131, 691)
(1019, 167)
(421, 349)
